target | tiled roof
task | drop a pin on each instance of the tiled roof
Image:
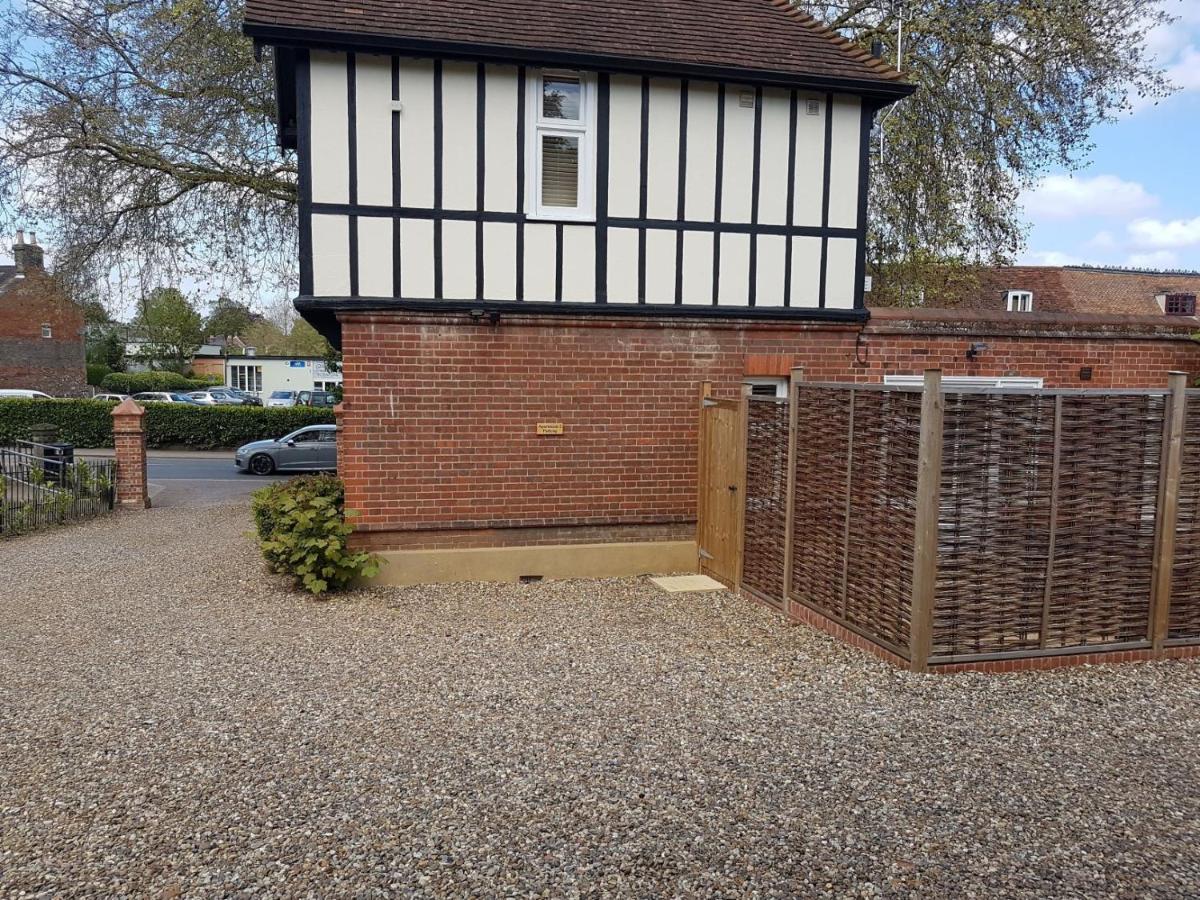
(770, 37)
(1081, 289)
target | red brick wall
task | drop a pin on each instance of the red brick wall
(27, 360)
(440, 413)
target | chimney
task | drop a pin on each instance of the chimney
(28, 257)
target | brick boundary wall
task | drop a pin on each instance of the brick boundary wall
(439, 442)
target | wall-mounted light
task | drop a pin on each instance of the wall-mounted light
(975, 349)
(492, 315)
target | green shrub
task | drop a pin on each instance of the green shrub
(88, 423)
(96, 373)
(302, 532)
(136, 382)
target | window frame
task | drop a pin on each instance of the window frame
(779, 383)
(47, 331)
(247, 374)
(1186, 298)
(1020, 301)
(536, 126)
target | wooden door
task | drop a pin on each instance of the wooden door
(720, 495)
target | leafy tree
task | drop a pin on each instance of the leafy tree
(302, 339)
(171, 329)
(143, 130)
(1006, 90)
(108, 351)
(229, 317)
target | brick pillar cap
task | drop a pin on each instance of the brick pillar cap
(128, 407)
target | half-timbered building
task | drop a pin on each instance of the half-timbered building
(536, 226)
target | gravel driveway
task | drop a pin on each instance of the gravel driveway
(173, 723)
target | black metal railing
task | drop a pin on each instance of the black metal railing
(40, 486)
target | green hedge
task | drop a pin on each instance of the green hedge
(88, 423)
(136, 382)
(96, 373)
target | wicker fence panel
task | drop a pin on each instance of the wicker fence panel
(766, 498)
(1184, 620)
(819, 507)
(1105, 520)
(994, 523)
(886, 436)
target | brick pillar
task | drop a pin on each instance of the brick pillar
(129, 437)
(337, 418)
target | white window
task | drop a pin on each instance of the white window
(1020, 301)
(768, 386)
(560, 164)
(246, 378)
(47, 331)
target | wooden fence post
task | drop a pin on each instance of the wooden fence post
(744, 423)
(929, 479)
(1168, 510)
(701, 469)
(790, 498)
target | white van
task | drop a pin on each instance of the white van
(16, 394)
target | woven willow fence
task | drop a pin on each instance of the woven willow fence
(968, 525)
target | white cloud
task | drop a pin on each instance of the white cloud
(1156, 234)
(1049, 258)
(1156, 259)
(1103, 241)
(1067, 197)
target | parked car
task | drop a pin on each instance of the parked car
(18, 394)
(281, 398)
(246, 397)
(216, 397)
(163, 397)
(111, 398)
(320, 399)
(309, 449)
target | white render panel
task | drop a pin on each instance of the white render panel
(622, 265)
(375, 256)
(460, 136)
(540, 257)
(662, 150)
(700, 188)
(843, 163)
(810, 162)
(416, 259)
(738, 162)
(331, 256)
(839, 277)
(579, 263)
(806, 272)
(458, 260)
(499, 260)
(416, 133)
(697, 268)
(330, 136)
(625, 146)
(771, 265)
(373, 114)
(500, 139)
(773, 158)
(660, 266)
(735, 270)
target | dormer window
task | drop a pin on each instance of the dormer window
(561, 162)
(1020, 301)
(1180, 304)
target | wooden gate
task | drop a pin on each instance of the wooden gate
(719, 505)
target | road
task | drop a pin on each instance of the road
(195, 478)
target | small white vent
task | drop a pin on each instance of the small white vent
(813, 107)
(746, 99)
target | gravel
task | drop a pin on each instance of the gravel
(173, 722)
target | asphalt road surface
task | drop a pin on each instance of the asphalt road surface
(195, 478)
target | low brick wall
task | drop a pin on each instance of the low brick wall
(440, 444)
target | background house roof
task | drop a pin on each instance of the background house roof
(7, 274)
(1083, 289)
(770, 37)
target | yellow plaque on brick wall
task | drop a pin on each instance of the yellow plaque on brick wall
(549, 427)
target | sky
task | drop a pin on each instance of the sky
(1136, 200)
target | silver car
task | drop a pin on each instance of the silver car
(309, 449)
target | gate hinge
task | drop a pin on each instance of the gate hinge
(704, 554)
(706, 402)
